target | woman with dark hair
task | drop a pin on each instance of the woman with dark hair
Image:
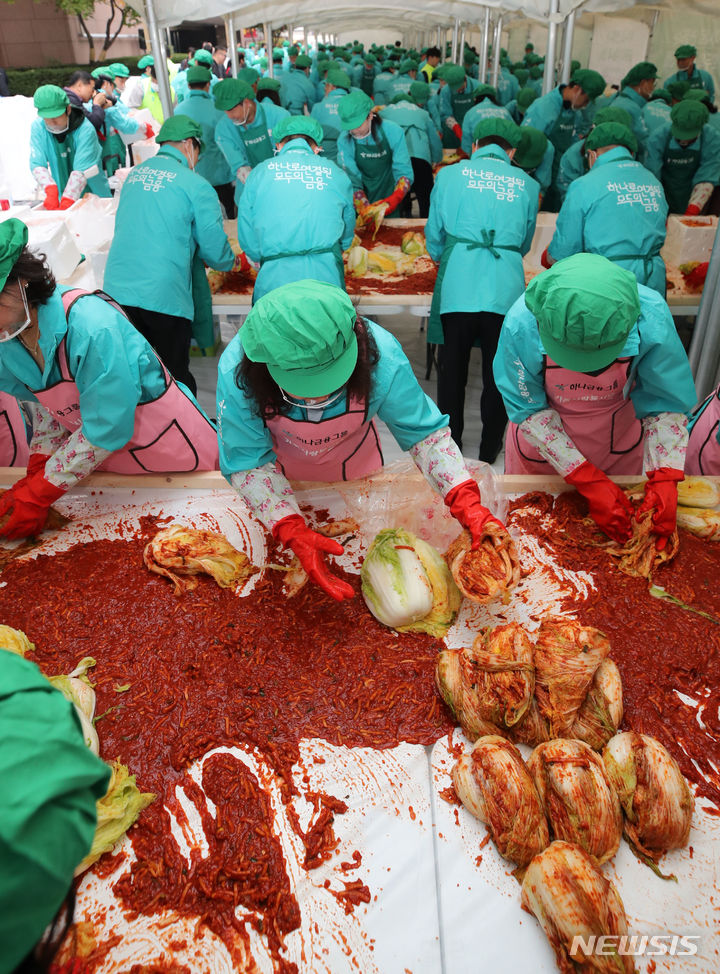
(98, 394)
(373, 153)
(299, 388)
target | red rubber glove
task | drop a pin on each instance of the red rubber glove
(149, 131)
(609, 507)
(692, 210)
(31, 502)
(466, 507)
(395, 198)
(661, 494)
(695, 279)
(66, 202)
(36, 462)
(52, 200)
(241, 263)
(545, 259)
(309, 546)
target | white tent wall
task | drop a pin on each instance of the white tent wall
(368, 37)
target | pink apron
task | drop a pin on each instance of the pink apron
(14, 451)
(703, 452)
(342, 448)
(597, 417)
(170, 435)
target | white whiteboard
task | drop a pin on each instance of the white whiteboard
(617, 43)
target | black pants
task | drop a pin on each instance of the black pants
(226, 195)
(460, 329)
(170, 337)
(421, 187)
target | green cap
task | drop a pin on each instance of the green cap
(101, 72)
(353, 109)
(51, 783)
(407, 66)
(611, 133)
(119, 70)
(529, 46)
(454, 76)
(13, 237)
(484, 91)
(369, 59)
(248, 75)
(420, 92)
(678, 89)
(687, 119)
(231, 92)
(50, 101)
(400, 96)
(304, 332)
(591, 82)
(502, 128)
(196, 75)
(298, 125)
(661, 93)
(148, 61)
(531, 149)
(277, 54)
(535, 73)
(339, 79)
(293, 51)
(179, 127)
(644, 71)
(525, 97)
(612, 114)
(303, 61)
(586, 306)
(268, 84)
(574, 66)
(522, 74)
(698, 94)
(685, 50)
(263, 62)
(203, 57)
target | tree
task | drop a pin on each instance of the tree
(125, 14)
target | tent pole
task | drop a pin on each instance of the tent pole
(461, 45)
(267, 30)
(232, 43)
(454, 41)
(439, 44)
(496, 51)
(484, 44)
(567, 47)
(157, 44)
(549, 74)
(291, 31)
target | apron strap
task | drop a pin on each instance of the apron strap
(647, 259)
(332, 249)
(487, 243)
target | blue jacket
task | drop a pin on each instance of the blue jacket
(485, 109)
(297, 91)
(484, 194)
(663, 381)
(212, 165)
(401, 165)
(166, 214)
(697, 79)
(314, 197)
(616, 209)
(421, 135)
(708, 170)
(79, 152)
(395, 397)
(326, 112)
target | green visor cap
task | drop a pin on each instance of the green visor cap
(574, 66)
(529, 46)
(51, 783)
(407, 66)
(525, 97)
(454, 76)
(179, 127)
(687, 119)
(293, 51)
(501, 128)
(484, 91)
(369, 59)
(118, 70)
(611, 133)
(303, 61)
(644, 71)
(203, 57)
(678, 89)
(248, 75)
(531, 149)
(697, 94)
(661, 94)
(591, 82)
(612, 114)
(268, 84)
(50, 101)
(339, 79)
(13, 237)
(304, 332)
(535, 73)
(148, 61)
(298, 125)
(522, 74)
(585, 306)
(353, 109)
(231, 92)
(419, 92)
(196, 75)
(685, 50)
(102, 72)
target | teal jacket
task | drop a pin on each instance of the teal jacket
(572, 167)
(546, 110)
(420, 132)
(380, 87)
(165, 215)
(212, 165)
(326, 112)
(698, 79)
(634, 104)
(507, 86)
(395, 397)
(398, 85)
(297, 91)
(663, 380)
(542, 173)
(486, 109)
(484, 194)
(227, 136)
(656, 113)
(445, 108)
(401, 165)
(180, 85)
(708, 169)
(79, 152)
(114, 367)
(314, 197)
(618, 210)
(117, 118)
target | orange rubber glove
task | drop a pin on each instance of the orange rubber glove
(52, 200)
(66, 202)
(309, 546)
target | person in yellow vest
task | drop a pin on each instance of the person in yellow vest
(146, 93)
